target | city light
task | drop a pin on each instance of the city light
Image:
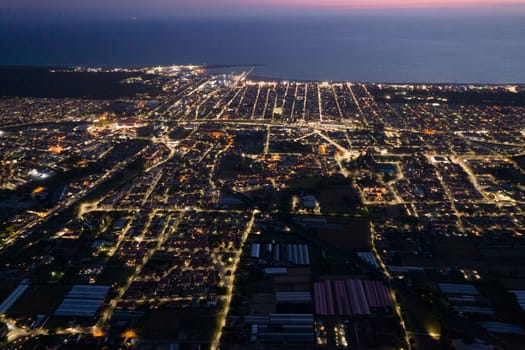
(223, 202)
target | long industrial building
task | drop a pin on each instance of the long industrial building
(83, 301)
(350, 297)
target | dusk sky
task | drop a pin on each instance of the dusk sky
(167, 8)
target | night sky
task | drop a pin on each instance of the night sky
(181, 8)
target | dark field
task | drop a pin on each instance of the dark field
(184, 325)
(40, 82)
(39, 299)
(353, 236)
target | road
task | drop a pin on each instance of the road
(230, 283)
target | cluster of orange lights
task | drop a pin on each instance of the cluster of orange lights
(38, 190)
(103, 117)
(40, 214)
(56, 149)
(98, 333)
(82, 163)
(217, 134)
(129, 334)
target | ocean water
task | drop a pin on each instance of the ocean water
(371, 48)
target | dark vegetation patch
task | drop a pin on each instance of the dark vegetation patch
(41, 82)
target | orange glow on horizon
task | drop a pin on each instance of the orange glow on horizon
(382, 4)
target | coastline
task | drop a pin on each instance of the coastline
(252, 77)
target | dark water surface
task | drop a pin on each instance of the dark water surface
(357, 48)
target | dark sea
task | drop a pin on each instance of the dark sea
(372, 48)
